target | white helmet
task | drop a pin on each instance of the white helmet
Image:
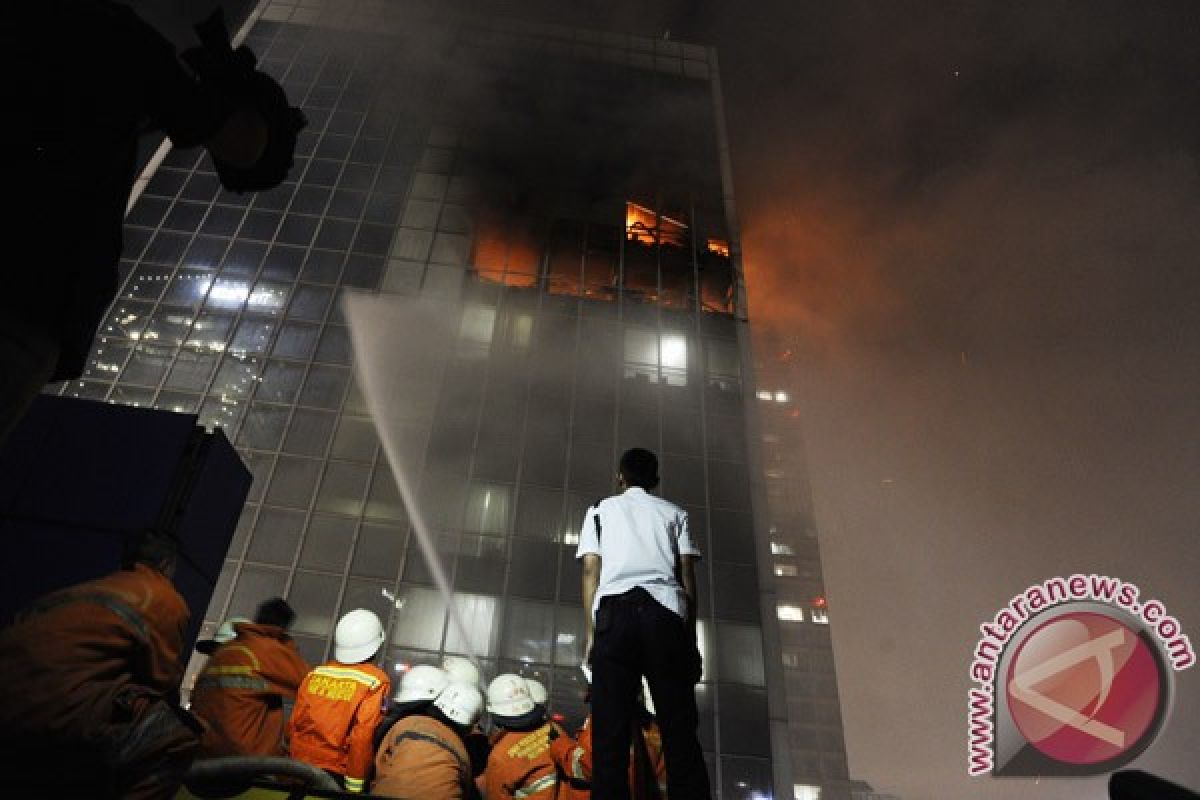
(226, 632)
(461, 669)
(422, 682)
(537, 691)
(461, 703)
(508, 696)
(357, 637)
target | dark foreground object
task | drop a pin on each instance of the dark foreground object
(77, 478)
(1134, 784)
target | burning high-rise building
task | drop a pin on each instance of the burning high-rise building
(571, 189)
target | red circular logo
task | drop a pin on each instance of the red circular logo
(1084, 688)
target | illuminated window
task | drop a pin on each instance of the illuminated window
(763, 394)
(781, 549)
(487, 509)
(718, 247)
(785, 570)
(820, 616)
(805, 791)
(656, 357)
(791, 660)
(788, 613)
(477, 325)
(781, 397)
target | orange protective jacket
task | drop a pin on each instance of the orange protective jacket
(573, 758)
(337, 710)
(421, 757)
(240, 692)
(87, 656)
(520, 767)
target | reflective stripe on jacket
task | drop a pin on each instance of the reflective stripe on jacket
(520, 767)
(240, 692)
(420, 757)
(338, 707)
(76, 655)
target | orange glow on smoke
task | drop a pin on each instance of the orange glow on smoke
(506, 254)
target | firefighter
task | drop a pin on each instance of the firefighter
(647, 766)
(424, 754)
(463, 670)
(341, 703)
(241, 690)
(89, 682)
(520, 766)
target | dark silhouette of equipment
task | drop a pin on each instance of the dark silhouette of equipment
(1133, 784)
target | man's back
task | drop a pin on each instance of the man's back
(422, 757)
(639, 537)
(240, 692)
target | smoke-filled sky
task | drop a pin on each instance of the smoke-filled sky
(977, 225)
(977, 222)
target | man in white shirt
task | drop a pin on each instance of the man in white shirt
(639, 598)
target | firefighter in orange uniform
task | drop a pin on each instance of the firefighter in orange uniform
(89, 682)
(340, 703)
(573, 757)
(520, 766)
(240, 692)
(423, 753)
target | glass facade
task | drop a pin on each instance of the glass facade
(567, 187)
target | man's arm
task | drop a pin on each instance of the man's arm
(591, 580)
(687, 578)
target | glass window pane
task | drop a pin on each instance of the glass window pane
(478, 612)
(314, 597)
(343, 488)
(325, 387)
(735, 592)
(296, 341)
(252, 337)
(280, 382)
(191, 370)
(263, 427)
(740, 654)
(378, 551)
(531, 571)
(529, 633)
(355, 440)
(743, 721)
(569, 636)
(309, 432)
(293, 482)
(421, 614)
(384, 501)
(147, 365)
(488, 508)
(276, 534)
(480, 566)
(539, 513)
(327, 543)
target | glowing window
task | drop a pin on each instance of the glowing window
(820, 616)
(805, 791)
(763, 394)
(788, 613)
(785, 570)
(673, 354)
(781, 397)
(477, 324)
(781, 549)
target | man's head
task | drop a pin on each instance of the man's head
(275, 611)
(639, 467)
(154, 550)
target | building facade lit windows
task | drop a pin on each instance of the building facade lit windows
(229, 309)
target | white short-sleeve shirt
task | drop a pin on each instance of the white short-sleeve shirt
(638, 540)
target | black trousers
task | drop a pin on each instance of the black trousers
(636, 636)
